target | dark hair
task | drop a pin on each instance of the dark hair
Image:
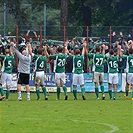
(60, 49)
(22, 48)
(130, 51)
(98, 49)
(77, 51)
(39, 51)
(111, 51)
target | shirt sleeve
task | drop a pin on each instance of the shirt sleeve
(35, 56)
(124, 57)
(90, 55)
(52, 57)
(20, 56)
(2, 56)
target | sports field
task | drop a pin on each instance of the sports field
(71, 116)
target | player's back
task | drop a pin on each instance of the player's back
(78, 62)
(113, 64)
(40, 63)
(59, 63)
(98, 62)
(8, 64)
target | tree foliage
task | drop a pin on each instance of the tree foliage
(71, 12)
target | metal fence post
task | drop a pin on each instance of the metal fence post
(132, 33)
(110, 36)
(87, 35)
(41, 37)
(64, 33)
(16, 58)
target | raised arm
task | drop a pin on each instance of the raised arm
(65, 49)
(119, 53)
(20, 56)
(103, 49)
(11, 48)
(46, 52)
(30, 49)
(84, 47)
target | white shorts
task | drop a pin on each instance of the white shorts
(39, 78)
(130, 78)
(98, 77)
(78, 79)
(6, 79)
(60, 78)
(0, 78)
(113, 78)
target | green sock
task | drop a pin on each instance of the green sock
(132, 93)
(38, 93)
(65, 90)
(44, 91)
(97, 91)
(1, 91)
(115, 91)
(75, 93)
(58, 93)
(127, 90)
(102, 89)
(83, 91)
(110, 93)
(7, 93)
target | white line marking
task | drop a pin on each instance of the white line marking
(114, 128)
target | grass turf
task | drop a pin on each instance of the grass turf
(71, 116)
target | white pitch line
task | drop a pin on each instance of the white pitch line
(114, 128)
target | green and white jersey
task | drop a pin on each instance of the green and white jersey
(7, 63)
(113, 64)
(98, 62)
(40, 62)
(129, 61)
(78, 62)
(59, 62)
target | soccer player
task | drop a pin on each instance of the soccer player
(129, 71)
(98, 69)
(78, 77)
(59, 70)
(113, 72)
(40, 63)
(6, 77)
(23, 70)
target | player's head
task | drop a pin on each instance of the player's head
(7, 51)
(39, 52)
(60, 49)
(130, 51)
(77, 51)
(111, 52)
(98, 49)
(24, 52)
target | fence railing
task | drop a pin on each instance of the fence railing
(68, 32)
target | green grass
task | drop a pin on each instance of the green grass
(52, 116)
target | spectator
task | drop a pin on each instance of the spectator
(121, 63)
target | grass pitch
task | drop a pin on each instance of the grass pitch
(71, 116)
